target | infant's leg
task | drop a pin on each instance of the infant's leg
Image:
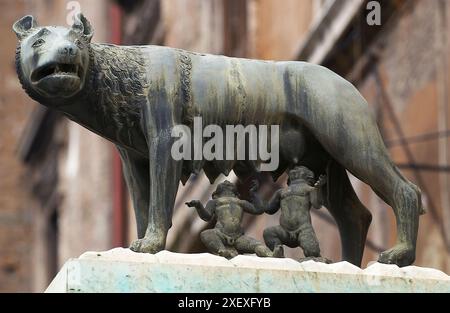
(275, 237)
(307, 240)
(214, 242)
(245, 244)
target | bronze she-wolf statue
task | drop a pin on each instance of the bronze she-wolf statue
(135, 95)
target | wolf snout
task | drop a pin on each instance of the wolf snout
(68, 50)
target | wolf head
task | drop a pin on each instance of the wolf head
(53, 62)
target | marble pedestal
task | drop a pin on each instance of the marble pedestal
(121, 270)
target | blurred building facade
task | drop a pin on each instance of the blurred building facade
(56, 176)
(61, 190)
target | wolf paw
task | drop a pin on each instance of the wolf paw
(401, 254)
(147, 245)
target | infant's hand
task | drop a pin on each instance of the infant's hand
(193, 203)
(321, 181)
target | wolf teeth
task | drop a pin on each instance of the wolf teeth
(73, 69)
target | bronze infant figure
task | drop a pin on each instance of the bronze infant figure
(134, 96)
(227, 239)
(295, 202)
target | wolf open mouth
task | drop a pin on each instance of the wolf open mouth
(55, 69)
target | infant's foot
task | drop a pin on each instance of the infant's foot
(227, 253)
(263, 251)
(278, 252)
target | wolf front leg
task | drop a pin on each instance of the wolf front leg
(164, 177)
(136, 172)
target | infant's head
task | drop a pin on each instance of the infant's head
(225, 188)
(301, 173)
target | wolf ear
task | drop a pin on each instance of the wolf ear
(81, 25)
(22, 26)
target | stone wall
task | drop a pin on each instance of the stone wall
(15, 217)
(37, 237)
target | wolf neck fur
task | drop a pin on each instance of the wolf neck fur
(117, 80)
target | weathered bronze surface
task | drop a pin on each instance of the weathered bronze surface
(227, 239)
(295, 202)
(133, 96)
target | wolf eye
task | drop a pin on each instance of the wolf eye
(79, 44)
(38, 43)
